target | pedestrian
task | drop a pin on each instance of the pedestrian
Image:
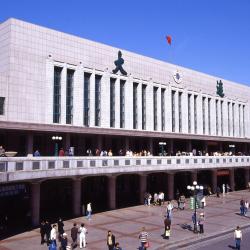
(53, 234)
(223, 189)
(110, 240)
(36, 153)
(60, 226)
(74, 233)
(242, 205)
(2, 151)
(42, 232)
(177, 196)
(182, 201)
(167, 233)
(169, 210)
(167, 222)
(237, 237)
(64, 242)
(201, 223)
(82, 231)
(61, 152)
(149, 199)
(89, 211)
(117, 246)
(47, 231)
(246, 207)
(143, 236)
(194, 220)
(218, 192)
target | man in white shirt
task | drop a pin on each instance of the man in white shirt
(53, 234)
(82, 231)
(237, 237)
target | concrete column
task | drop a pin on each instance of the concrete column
(159, 111)
(29, 145)
(246, 177)
(193, 177)
(168, 110)
(117, 102)
(78, 96)
(214, 180)
(184, 111)
(66, 141)
(170, 147)
(99, 142)
(176, 100)
(129, 103)
(35, 203)
(76, 194)
(139, 105)
(231, 179)
(151, 146)
(112, 192)
(143, 187)
(189, 146)
(149, 107)
(199, 114)
(126, 144)
(170, 186)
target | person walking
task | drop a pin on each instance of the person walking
(218, 192)
(64, 242)
(237, 237)
(82, 231)
(242, 205)
(89, 211)
(143, 236)
(201, 223)
(47, 231)
(42, 232)
(117, 246)
(74, 233)
(53, 234)
(110, 240)
(60, 226)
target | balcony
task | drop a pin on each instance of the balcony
(28, 168)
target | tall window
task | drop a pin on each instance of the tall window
(173, 110)
(221, 113)
(209, 116)
(239, 120)
(135, 105)
(217, 119)
(2, 101)
(195, 114)
(163, 109)
(112, 102)
(228, 118)
(86, 96)
(155, 107)
(144, 106)
(57, 95)
(179, 111)
(244, 129)
(204, 114)
(98, 79)
(189, 113)
(122, 104)
(233, 108)
(69, 96)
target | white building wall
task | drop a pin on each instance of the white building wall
(149, 107)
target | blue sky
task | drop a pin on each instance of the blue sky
(211, 36)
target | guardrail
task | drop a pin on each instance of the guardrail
(21, 168)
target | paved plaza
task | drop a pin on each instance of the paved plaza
(221, 217)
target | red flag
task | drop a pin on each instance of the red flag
(169, 39)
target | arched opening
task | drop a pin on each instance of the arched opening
(127, 190)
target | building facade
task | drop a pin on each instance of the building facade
(92, 96)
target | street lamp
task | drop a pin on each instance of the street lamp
(162, 144)
(195, 190)
(56, 139)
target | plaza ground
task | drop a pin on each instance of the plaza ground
(221, 217)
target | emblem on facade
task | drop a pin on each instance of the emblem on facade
(177, 77)
(118, 63)
(220, 89)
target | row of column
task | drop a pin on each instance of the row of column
(111, 189)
